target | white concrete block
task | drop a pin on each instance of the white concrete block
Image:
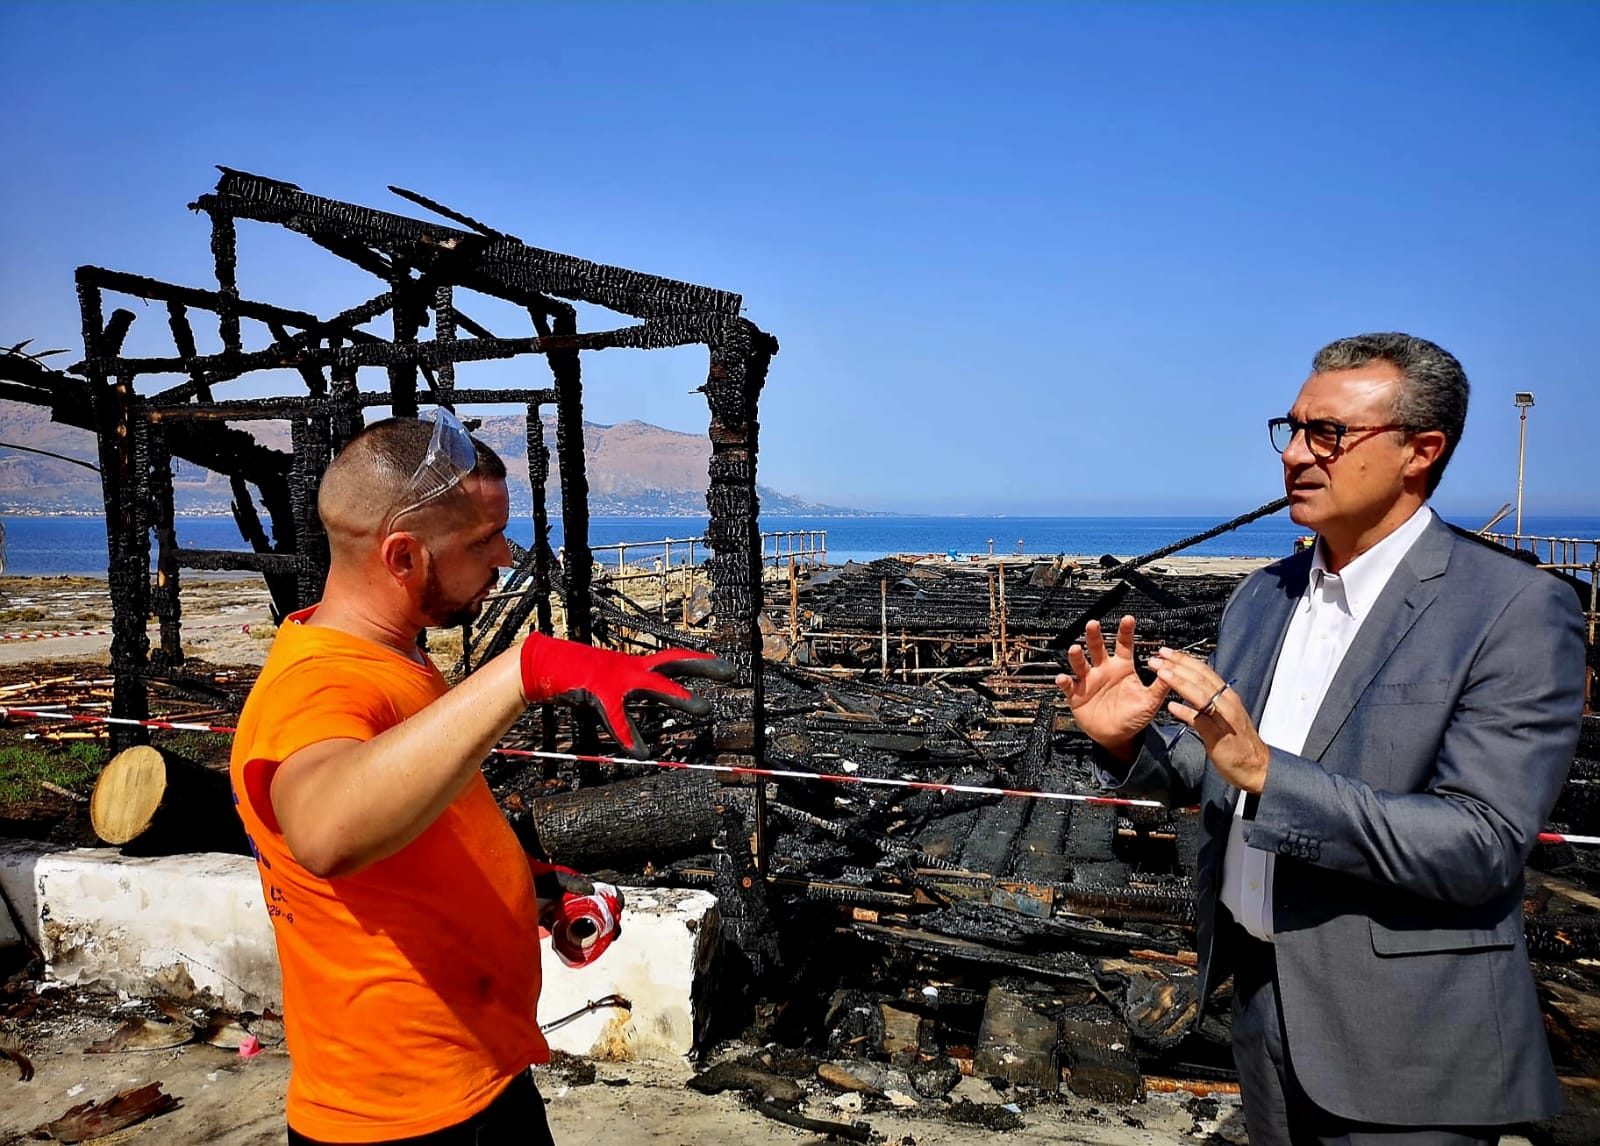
(194, 926)
(19, 862)
(661, 963)
(187, 927)
(9, 936)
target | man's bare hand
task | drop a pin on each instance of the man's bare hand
(1109, 701)
(1208, 704)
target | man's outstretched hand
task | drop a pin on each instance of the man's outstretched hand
(1109, 701)
(582, 674)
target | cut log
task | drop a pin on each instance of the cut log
(651, 819)
(151, 802)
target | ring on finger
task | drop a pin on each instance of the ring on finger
(1211, 705)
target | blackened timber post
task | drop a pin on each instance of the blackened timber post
(224, 257)
(183, 342)
(345, 420)
(308, 435)
(165, 596)
(538, 483)
(578, 568)
(740, 356)
(444, 330)
(127, 580)
(403, 375)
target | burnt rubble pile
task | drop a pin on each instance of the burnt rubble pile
(937, 931)
(917, 935)
(925, 932)
(1008, 613)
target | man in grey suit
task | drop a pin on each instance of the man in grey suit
(1381, 734)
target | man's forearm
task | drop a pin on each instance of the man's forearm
(345, 805)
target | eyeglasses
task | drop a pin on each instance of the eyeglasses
(1324, 437)
(451, 456)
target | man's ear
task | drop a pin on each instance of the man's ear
(1427, 447)
(404, 557)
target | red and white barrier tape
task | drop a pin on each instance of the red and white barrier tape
(89, 718)
(242, 627)
(730, 769)
(835, 778)
(52, 636)
(1564, 838)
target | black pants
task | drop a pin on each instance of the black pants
(516, 1118)
(1277, 1111)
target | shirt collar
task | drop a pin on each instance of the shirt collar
(1364, 578)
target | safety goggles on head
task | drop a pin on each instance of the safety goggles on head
(451, 456)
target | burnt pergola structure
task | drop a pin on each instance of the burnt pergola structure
(422, 267)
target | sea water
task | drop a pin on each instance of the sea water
(77, 545)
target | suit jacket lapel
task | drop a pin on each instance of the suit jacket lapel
(1409, 592)
(1250, 663)
(1268, 618)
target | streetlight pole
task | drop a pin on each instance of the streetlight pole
(1523, 400)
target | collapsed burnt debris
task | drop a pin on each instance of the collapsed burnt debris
(426, 271)
(929, 932)
(422, 267)
(924, 926)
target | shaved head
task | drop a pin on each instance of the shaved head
(371, 479)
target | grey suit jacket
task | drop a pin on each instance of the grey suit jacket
(1401, 831)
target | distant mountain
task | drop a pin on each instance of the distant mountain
(635, 469)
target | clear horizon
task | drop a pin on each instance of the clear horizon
(1040, 260)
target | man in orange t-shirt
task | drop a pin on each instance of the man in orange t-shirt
(405, 910)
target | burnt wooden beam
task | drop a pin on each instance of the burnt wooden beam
(274, 409)
(128, 577)
(444, 330)
(505, 261)
(282, 585)
(183, 342)
(1017, 1043)
(404, 353)
(165, 596)
(1115, 570)
(646, 820)
(224, 255)
(1100, 1057)
(197, 298)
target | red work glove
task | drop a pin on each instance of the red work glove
(555, 669)
(582, 916)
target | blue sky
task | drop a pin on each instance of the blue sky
(1036, 258)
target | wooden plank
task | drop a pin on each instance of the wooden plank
(1017, 1043)
(1099, 1053)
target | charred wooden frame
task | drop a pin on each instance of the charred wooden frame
(421, 265)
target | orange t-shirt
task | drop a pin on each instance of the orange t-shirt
(410, 987)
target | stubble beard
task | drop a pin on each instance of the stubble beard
(444, 613)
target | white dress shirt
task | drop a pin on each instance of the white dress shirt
(1322, 627)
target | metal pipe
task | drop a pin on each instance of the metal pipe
(1522, 442)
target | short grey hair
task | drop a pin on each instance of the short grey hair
(1433, 395)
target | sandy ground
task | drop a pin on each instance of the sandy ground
(237, 1102)
(227, 620)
